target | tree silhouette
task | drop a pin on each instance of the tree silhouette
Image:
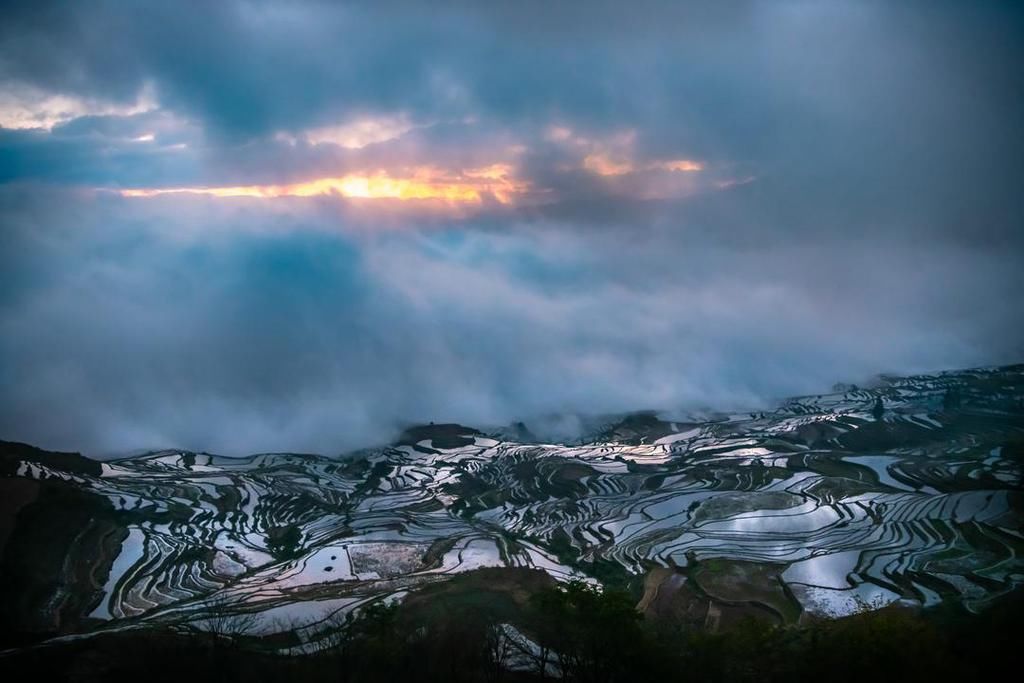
(879, 410)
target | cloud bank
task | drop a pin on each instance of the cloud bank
(488, 213)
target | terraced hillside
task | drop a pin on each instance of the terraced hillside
(907, 491)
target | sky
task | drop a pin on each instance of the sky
(253, 226)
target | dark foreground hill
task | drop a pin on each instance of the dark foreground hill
(463, 631)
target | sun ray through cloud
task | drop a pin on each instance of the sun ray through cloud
(474, 185)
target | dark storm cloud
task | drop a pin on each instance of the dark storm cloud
(249, 67)
(96, 151)
(873, 108)
(858, 210)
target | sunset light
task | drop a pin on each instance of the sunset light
(427, 183)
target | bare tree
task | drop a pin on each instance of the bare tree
(498, 650)
(225, 622)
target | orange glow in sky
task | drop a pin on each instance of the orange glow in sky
(605, 166)
(471, 185)
(679, 165)
(602, 165)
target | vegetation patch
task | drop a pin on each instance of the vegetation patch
(736, 581)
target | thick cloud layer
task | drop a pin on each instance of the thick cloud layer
(669, 206)
(235, 331)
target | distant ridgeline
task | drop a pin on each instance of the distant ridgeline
(905, 494)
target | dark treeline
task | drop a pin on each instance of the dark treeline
(581, 634)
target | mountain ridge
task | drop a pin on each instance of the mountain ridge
(817, 508)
